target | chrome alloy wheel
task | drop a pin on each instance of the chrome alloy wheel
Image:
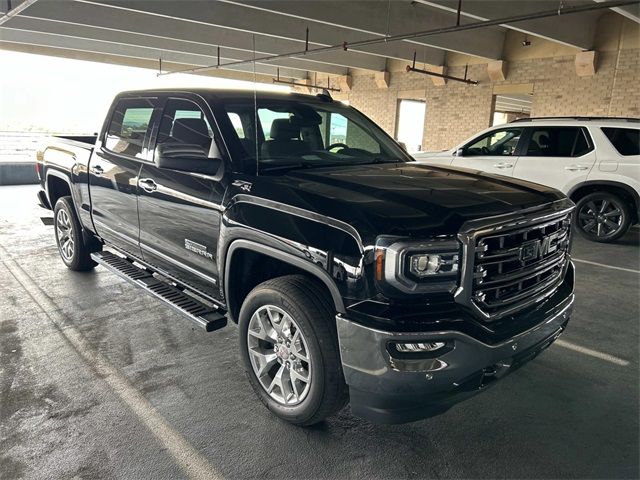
(600, 218)
(279, 355)
(64, 230)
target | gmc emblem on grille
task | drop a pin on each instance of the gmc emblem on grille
(539, 248)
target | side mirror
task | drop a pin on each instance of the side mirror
(403, 146)
(186, 158)
(460, 152)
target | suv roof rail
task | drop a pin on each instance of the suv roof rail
(529, 119)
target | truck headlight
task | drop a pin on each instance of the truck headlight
(425, 264)
(418, 267)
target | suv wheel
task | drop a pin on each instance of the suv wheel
(602, 217)
(74, 252)
(289, 347)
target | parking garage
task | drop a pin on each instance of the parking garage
(100, 380)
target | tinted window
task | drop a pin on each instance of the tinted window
(557, 142)
(496, 143)
(184, 124)
(129, 126)
(625, 140)
(300, 134)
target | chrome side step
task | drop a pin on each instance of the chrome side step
(202, 314)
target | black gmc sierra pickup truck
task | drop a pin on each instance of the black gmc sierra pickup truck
(354, 273)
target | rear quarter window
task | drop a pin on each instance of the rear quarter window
(129, 126)
(625, 140)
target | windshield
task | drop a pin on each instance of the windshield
(293, 134)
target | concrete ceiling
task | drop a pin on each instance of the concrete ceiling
(189, 34)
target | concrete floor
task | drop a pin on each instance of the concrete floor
(98, 380)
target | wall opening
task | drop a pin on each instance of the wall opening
(410, 124)
(510, 107)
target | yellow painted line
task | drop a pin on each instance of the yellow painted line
(194, 465)
(592, 353)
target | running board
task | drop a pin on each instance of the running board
(202, 314)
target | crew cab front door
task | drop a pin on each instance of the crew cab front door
(113, 172)
(180, 211)
(559, 157)
(494, 152)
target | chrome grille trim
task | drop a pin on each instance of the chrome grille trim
(496, 278)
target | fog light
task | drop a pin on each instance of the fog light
(419, 347)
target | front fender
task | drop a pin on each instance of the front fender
(317, 245)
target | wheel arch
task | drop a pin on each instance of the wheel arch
(275, 263)
(58, 185)
(626, 192)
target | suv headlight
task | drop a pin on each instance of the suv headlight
(418, 267)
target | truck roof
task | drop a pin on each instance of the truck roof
(220, 93)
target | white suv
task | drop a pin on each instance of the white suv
(594, 161)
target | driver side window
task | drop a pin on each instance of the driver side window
(496, 143)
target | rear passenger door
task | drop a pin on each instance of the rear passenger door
(559, 157)
(113, 172)
(180, 211)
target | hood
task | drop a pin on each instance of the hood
(403, 199)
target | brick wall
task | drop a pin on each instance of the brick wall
(456, 111)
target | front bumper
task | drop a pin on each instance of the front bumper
(387, 389)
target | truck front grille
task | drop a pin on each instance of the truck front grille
(510, 267)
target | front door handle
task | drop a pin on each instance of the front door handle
(503, 165)
(576, 167)
(97, 170)
(147, 185)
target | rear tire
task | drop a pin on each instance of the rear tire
(75, 254)
(289, 348)
(602, 217)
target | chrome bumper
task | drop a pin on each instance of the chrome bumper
(385, 389)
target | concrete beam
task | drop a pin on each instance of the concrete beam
(151, 64)
(268, 24)
(96, 46)
(161, 44)
(577, 30)
(382, 18)
(190, 31)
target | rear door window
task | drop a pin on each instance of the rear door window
(129, 127)
(558, 142)
(625, 140)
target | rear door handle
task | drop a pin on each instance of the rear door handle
(97, 170)
(147, 185)
(503, 165)
(575, 167)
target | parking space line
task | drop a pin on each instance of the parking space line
(592, 353)
(193, 464)
(588, 262)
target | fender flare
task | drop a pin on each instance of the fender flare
(313, 269)
(608, 183)
(64, 177)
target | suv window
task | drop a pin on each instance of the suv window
(129, 126)
(184, 123)
(558, 142)
(625, 140)
(497, 143)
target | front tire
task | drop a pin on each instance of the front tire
(289, 348)
(602, 217)
(74, 252)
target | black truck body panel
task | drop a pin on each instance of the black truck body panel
(325, 221)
